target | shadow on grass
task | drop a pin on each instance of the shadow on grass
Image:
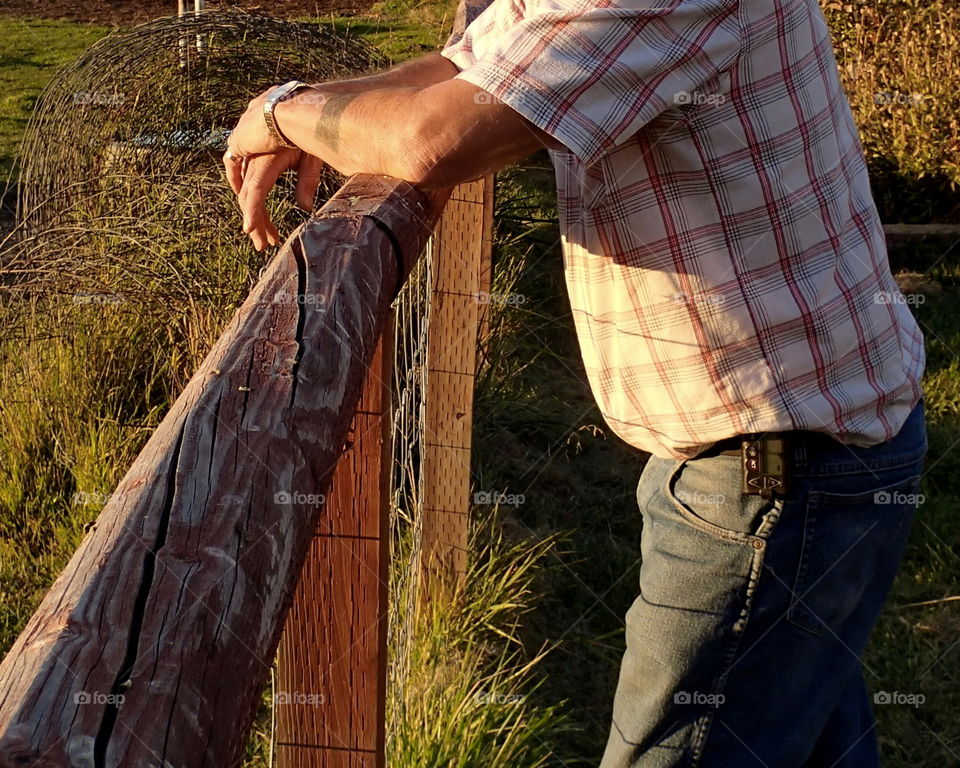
(906, 199)
(539, 437)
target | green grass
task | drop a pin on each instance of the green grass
(898, 63)
(31, 51)
(464, 683)
(914, 647)
(73, 417)
(405, 28)
(402, 28)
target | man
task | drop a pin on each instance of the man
(737, 318)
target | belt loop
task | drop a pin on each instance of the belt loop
(799, 450)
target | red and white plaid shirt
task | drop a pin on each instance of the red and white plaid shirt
(725, 263)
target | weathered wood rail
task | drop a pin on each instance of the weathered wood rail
(176, 598)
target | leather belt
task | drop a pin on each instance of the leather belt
(729, 446)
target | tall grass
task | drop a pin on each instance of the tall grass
(899, 61)
(74, 410)
(460, 682)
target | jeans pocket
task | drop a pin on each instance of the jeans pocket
(852, 543)
(688, 561)
(706, 494)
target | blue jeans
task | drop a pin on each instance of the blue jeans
(743, 647)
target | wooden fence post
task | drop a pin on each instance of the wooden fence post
(459, 301)
(153, 645)
(331, 673)
(330, 698)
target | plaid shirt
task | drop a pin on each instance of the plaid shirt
(725, 263)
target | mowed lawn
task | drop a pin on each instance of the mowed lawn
(30, 52)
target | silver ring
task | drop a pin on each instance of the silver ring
(230, 156)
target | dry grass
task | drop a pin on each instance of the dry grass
(899, 61)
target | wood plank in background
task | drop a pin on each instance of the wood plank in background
(330, 699)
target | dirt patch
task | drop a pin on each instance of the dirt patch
(125, 12)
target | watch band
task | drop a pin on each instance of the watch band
(280, 94)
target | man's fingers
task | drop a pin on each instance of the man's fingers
(264, 236)
(308, 179)
(234, 171)
(262, 172)
(253, 177)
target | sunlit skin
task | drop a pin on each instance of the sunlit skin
(415, 122)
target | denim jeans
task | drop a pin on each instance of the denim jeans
(743, 646)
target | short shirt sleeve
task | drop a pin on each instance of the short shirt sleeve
(591, 74)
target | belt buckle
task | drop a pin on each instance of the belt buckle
(765, 463)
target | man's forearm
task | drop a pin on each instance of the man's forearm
(355, 130)
(421, 71)
(368, 139)
(438, 135)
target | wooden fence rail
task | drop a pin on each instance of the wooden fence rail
(153, 645)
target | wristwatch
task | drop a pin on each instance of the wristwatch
(277, 95)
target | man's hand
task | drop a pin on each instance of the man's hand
(417, 122)
(250, 135)
(254, 177)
